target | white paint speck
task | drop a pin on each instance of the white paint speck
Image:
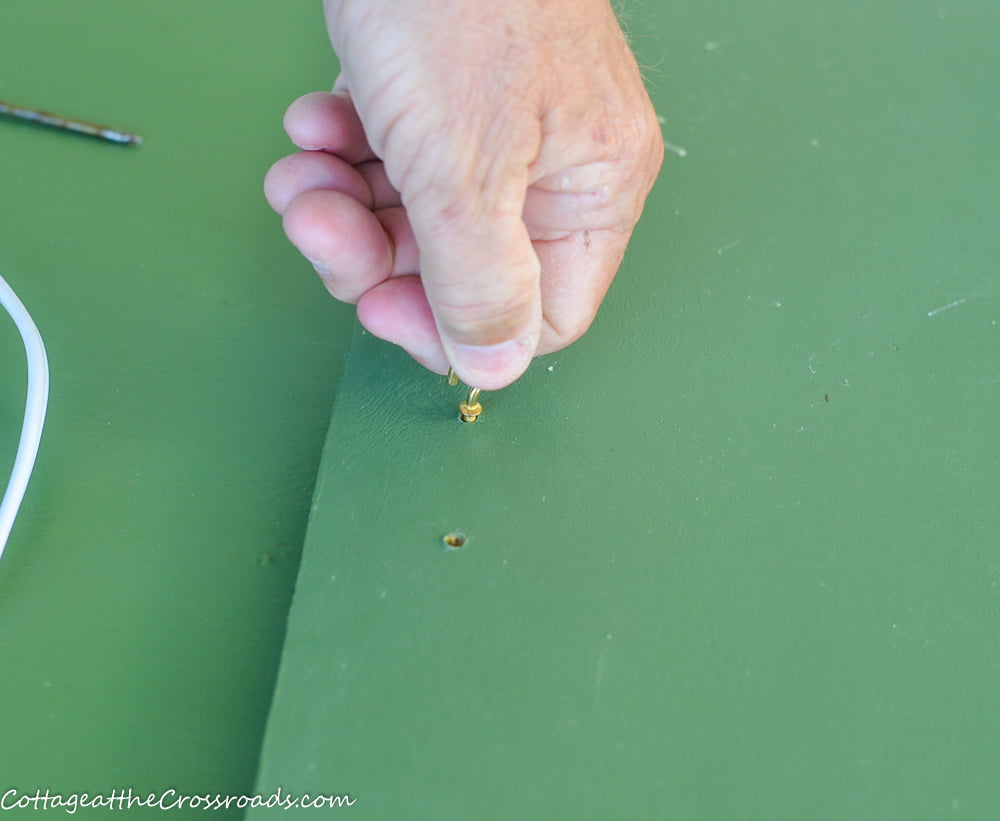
(676, 149)
(954, 304)
(715, 45)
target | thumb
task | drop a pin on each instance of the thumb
(480, 272)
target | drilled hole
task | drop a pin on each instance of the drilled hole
(455, 540)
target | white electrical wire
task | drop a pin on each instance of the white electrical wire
(34, 412)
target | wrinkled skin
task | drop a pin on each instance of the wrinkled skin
(473, 179)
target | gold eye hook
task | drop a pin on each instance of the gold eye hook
(469, 410)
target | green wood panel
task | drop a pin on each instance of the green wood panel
(194, 360)
(734, 554)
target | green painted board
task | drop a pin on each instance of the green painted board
(194, 361)
(735, 554)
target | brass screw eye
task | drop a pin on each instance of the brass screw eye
(471, 408)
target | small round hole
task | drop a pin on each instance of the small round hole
(455, 540)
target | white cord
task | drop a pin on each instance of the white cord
(34, 412)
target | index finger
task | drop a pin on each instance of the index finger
(328, 121)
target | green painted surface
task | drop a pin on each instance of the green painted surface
(735, 554)
(194, 360)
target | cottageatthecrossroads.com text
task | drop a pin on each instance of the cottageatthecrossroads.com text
(127, 799)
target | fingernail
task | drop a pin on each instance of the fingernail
(319, 266)
(492, 366)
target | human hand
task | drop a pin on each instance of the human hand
(473, 179)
